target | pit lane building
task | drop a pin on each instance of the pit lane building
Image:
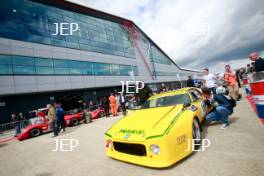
(88, 59)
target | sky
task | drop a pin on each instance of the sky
(196, 33)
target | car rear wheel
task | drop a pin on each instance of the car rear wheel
(34, 132)
(196, 131)
(74, 122)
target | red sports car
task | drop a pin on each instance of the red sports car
(36, 127)
(40, 125)
(74, 119)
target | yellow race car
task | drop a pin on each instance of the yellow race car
(165, 129)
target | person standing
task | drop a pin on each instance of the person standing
(190, 82)
(91, 106)
(16, 122)
(248, 69)
(22, 118)
(122, 102)
(208, 80)
(113, 104)
(105, 103)
(230, 78)
(163, 88)
(53, 119)
(143, 94)
(60, 117)
(87, 116)
(259, 62)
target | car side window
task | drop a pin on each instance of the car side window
(195, 95)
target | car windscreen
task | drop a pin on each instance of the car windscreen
(166, 101)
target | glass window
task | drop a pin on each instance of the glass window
(115, 69)
(88, 68)
(44, 70)
(76, 71)
(5, 59)
(61, 63)
(166, 101)
(61, 71)
(18, 69)
(135, 69)
(76, 64)
(6, 69)
(23, 60)
(125, 69)
(44, 62)
(101, 69)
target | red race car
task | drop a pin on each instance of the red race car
(74, 119)
(36, 127)
(40, 124)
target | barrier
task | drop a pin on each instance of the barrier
(246, 84)
(257, 90)
(7, 130)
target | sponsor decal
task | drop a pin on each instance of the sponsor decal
(181, 139)
(137, 132)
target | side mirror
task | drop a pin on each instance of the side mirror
(186, 105)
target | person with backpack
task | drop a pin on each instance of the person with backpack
(221, 106)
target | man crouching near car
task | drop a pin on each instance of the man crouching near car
(221, 107)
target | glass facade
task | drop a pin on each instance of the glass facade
(34, 22)
(166, 73)
(181, 75)
(24, 65)
(157, 56)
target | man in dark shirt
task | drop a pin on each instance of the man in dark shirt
(190, 82)
(143, 94)
(221, 107)
(259, 62)
(60, 117)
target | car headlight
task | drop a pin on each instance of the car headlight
(155, 149)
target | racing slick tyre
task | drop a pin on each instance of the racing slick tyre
(74, 122)
(34, 132)
(196, 133)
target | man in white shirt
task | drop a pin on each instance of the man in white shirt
(209, 80)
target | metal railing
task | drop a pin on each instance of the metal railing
(9, 129)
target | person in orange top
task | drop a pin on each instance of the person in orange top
(230, 78)
(113, 104)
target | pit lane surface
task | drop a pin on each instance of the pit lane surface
(238, 150)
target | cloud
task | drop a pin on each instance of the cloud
(195, 33)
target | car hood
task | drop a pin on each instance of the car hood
(141, 124)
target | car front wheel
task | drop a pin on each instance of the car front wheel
(196, 131)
